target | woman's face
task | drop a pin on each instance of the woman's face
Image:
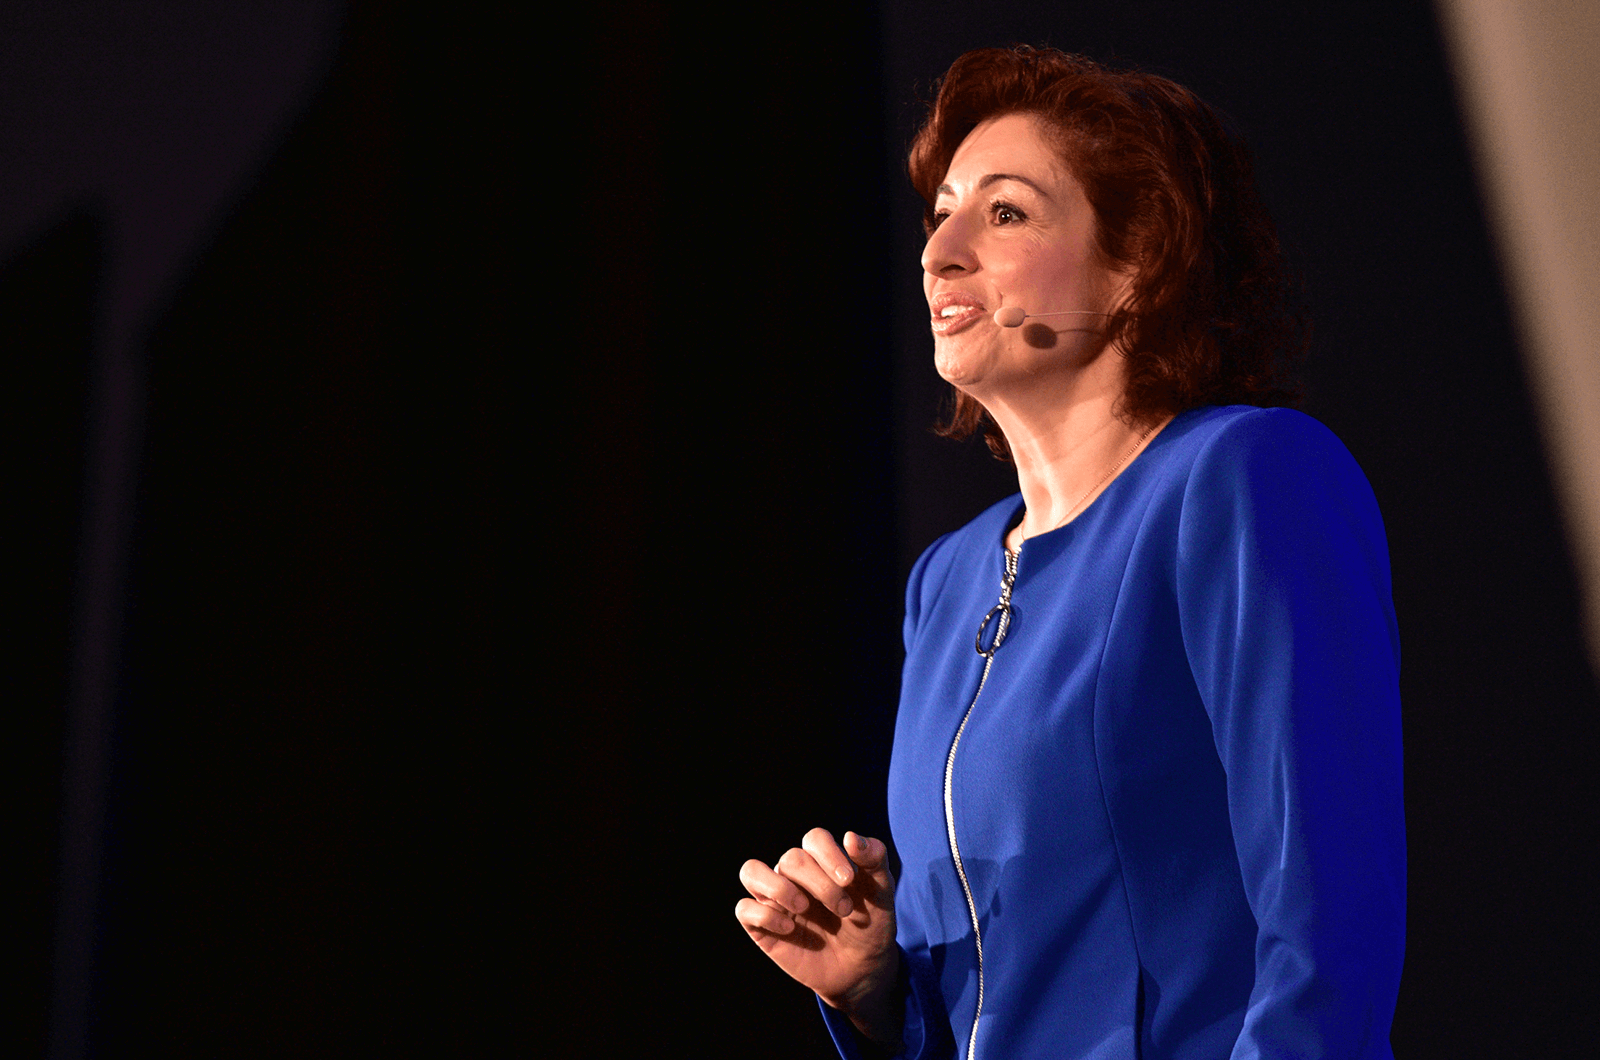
(1013, 229)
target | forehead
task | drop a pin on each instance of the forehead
(1010, 144)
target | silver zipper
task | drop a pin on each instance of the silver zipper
(1000, 616)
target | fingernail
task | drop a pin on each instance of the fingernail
(845, 905)
(843, 874)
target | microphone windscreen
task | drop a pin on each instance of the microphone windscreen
(1010, 316)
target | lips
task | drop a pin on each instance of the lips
(953, 311)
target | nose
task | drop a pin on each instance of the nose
(949, 249)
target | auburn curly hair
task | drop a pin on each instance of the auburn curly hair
(1212, 317)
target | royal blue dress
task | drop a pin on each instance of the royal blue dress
(1176, 802)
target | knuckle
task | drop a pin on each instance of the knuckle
(819, 837)
(793, 860)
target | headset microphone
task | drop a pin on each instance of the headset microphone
(1012, 316)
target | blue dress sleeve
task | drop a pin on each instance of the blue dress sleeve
(922, 587)
(1288, 622)
(925, 1034)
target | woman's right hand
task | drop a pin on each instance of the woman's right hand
(825, 914)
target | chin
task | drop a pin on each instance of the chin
(955, 370)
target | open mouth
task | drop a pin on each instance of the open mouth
(954, 315)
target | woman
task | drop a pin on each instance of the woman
(1155, 810)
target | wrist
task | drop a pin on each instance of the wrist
(875, 1006)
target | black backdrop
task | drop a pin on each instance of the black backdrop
(634, 309)
(309, 757)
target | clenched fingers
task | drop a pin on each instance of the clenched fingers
(829, 855)
(771, 889)
(821, 881)
(759, 916)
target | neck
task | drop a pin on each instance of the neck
(1067, 435)
(1067, 454)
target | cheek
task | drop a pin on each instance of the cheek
(1084, 279)
(1079, 268)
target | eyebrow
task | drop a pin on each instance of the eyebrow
(994, 178)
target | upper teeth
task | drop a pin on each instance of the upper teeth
(953, 310)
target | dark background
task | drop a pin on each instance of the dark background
(264, 544)
(365, 779)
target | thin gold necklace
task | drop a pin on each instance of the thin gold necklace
(1090, 491)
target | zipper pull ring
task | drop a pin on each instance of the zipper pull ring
(1003, 609)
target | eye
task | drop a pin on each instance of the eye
(1005, 213)
(935, 220)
